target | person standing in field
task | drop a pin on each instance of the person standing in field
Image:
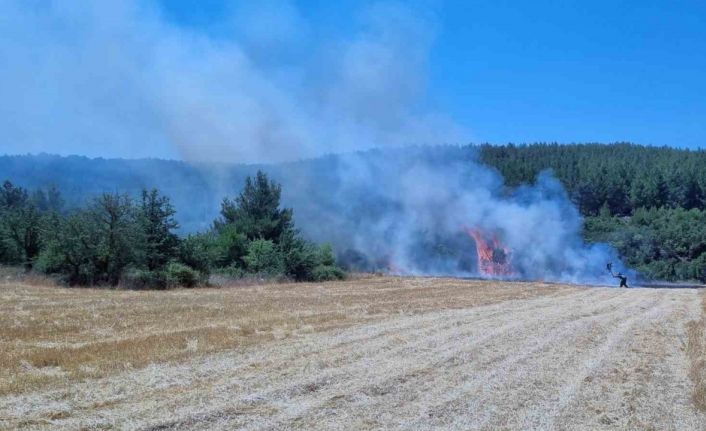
(623, 278)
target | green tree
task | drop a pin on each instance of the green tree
(119, 235)
(23, 226)
(12, 197)
(299, 256)
(326, 268)
(158, 223)
(72, 249)
(693, 195)
(95, 245)
(20, 226)
(263, 258)
(586, 199)
(256, 212)
(197, 251)
(229, 247)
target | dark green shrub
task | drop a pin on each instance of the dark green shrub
(299, 257)
(327, 273)
(71, 250)
(264, 258)
(325, 255)
(230, 246)
(231, 271)
(196, 251)
(180, 275)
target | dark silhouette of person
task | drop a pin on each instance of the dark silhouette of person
(623, 279)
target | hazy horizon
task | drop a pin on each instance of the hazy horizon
(285, 80)
(314, 157)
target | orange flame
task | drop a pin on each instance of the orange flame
(493, 257)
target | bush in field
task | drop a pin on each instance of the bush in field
(174, 275)
(299, 257)
(179, 275)
(326, 268)
(94, 245)
(263, 258)
(71, 250)
(325, 255)
(662, 243)
(229, 246)
(197, 252)
(327, 273)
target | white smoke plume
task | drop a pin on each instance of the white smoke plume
(104, 78)
(116, 78)
(408, 211)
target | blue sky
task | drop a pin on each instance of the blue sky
(567, 71)
(146, 78)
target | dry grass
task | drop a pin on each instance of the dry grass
(696, 349)
(54, 336)
(367, 353)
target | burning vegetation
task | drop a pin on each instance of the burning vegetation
(493, 257)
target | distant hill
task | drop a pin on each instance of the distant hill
(621, 176)
(195, 191)
(648, 202)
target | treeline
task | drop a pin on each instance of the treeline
(622, 177)
(661, 243)
(118, 240)
(649, 203)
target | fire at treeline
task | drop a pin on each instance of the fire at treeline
(646, 203)
(489, 211)
(117, 240)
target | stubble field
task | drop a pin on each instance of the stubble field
(368, 353)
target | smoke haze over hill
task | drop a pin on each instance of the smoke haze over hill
(113, 78)
(405, 211)
(106, 75)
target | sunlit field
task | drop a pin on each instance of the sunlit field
(368, 353)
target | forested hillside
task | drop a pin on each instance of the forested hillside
(647, 202)
(195, 191)
(623, 177)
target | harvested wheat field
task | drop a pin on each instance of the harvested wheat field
(368, 353)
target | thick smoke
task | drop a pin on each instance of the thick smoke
(409, 211)
(266, 85)
(108, 78)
